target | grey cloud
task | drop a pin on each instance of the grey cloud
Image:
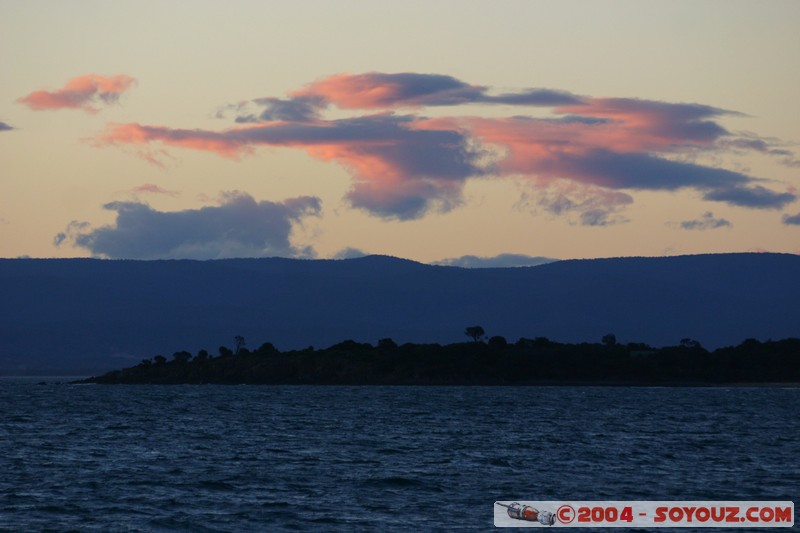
(756, 144)
(289, 110)
(238, 227)
(646, 172)
(498, 261)
(399, 171)
(426, 168)
(594, 206)
(391, 90)
(349, 253)
(413, 199)
(432, 153)
(756, 197)
(685, 122)
(792, 220)
(426, 89)
(5, 127)
(597, 217)
(442, 90)
(73, 229)
(759, 145)
(569, 119)
(707, 221)
(533, 97)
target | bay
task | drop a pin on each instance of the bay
(335, 458)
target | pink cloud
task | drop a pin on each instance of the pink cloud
(222, 143)
(82, 92)
(404, 165)
(377, 90)
(152, 188)
(618, 125)
(380, 90)
(664, 122)
(399, 170)
(616, 144)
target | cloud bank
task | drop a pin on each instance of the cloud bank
(238, 227)
(5, 127)
(404, 164)
(83, 92)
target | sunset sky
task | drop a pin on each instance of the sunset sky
(424, 130)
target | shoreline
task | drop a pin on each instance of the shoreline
(574, 384)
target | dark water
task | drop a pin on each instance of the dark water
(262, 458)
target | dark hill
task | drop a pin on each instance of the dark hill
(81, 316)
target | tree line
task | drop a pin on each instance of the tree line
(482, 361)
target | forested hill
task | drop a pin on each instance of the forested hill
(84, 316)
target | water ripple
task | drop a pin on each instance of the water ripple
(218, 459)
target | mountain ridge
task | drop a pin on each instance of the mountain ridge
(88, 315)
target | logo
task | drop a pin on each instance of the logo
(644, 514)
(565, 514)
(518, 511)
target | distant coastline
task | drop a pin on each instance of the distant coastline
(536, 361)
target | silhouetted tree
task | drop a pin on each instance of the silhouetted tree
(349, 346)
(474, 332)
(689, 343)
(202, 355)
(498, 342)
(610, 340)
(224, 351)
(182, 357)
(387, 344)
(538, 342)
(239, 343)
(266, 349)
(530, 360)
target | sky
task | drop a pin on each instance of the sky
(459, 132)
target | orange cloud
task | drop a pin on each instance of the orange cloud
(82, 92)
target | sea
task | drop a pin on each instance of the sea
(230, 458)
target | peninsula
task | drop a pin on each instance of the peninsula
(536, 361)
